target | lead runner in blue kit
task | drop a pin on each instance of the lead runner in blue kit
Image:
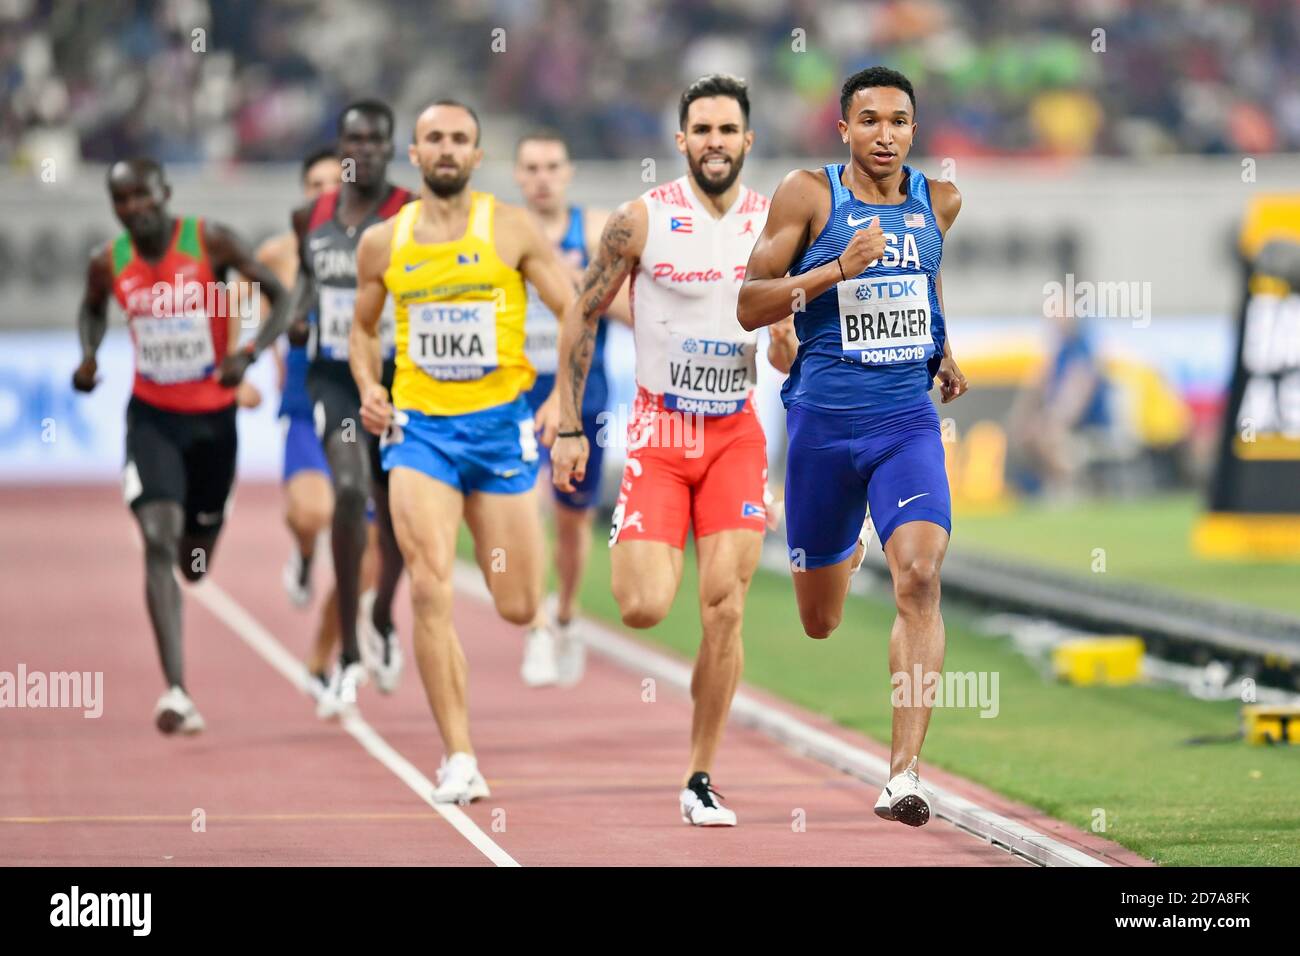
(854, 250)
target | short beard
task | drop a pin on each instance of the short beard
(711, 187)
(444, 188)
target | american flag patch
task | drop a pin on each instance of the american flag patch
(680, 224)
(914, 220)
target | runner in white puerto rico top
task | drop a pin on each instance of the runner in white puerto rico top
(696, 454)
(690, 351)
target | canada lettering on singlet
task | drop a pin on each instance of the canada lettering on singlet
(332, 259)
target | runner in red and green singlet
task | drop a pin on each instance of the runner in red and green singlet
(168, 276)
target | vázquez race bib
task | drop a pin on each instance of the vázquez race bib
(708, 376)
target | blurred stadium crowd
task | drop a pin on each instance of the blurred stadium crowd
(103, 79)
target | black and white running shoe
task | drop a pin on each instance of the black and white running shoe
(701, 806)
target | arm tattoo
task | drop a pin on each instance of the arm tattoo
(599, 286)
(580, 364)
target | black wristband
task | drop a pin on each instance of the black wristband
(843, 277)
(577, 434)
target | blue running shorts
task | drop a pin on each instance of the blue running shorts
(302, 449)
(492, 450)
(841, 460)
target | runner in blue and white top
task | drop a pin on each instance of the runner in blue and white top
(552, 650)
(855, 250)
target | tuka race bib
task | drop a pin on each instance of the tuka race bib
(173, 349)
(453, 341)
(708, 376)
(886, 321)
(337, 306)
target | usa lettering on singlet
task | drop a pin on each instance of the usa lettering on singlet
(874, 337)
(689, 348)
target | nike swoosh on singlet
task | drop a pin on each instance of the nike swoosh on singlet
(856, 222)
(418, 265)
(901, 502)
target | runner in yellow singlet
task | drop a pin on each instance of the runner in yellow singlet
(458, 433)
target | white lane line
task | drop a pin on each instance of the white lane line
(803, 738)
(263, 642)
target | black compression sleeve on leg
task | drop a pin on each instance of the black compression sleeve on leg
(351, 475)
(390, 561)
(161, 523)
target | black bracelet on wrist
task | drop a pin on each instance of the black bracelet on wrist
(843, 277)
(577, 434)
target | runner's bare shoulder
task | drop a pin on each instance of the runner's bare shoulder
(945, 199)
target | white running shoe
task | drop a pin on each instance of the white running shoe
(701, 806)
(341, 694)
(297, 584)
(381, 653)
(905, 799)
(570, 654)
(176, 712)
(882, 805)
(539, 668)
(459, 780)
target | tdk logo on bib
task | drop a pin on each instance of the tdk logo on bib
(886, 288)
(454, 314)
(713, 347)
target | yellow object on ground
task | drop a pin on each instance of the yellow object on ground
(1250, 537)
(1114, 661)
(1271, 723)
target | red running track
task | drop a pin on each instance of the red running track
(587, 775)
